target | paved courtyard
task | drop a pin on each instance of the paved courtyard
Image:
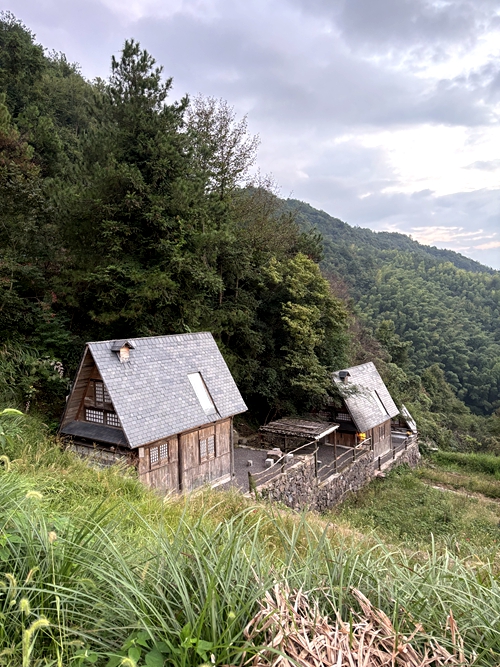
(242, 455)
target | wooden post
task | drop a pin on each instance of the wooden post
(316, 462)
(335, 455)
(251, 484)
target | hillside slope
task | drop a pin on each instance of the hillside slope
(98, 570)
(445, 306)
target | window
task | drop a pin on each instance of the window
(101, 393)
(96, 416)
(202, 394)
(381, 432)
(112, 419)
(211, 447)
(207, 448)
(153, 456)
(343, 417)
(203, 450)
(164, 451)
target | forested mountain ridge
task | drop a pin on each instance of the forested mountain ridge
(359, 237)
(444, 306)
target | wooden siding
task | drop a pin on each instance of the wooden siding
(195, 473)
(77, 396)
(184, 471)
(345, 439)
(162, 475)
(381, 438)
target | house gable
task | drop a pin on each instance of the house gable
(90, 413)
(160, 387)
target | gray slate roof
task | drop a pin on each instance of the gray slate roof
(95, 432)
(151, 393)
(360, 393)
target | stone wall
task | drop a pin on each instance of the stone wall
(299, 488)
(410, 456)
(100, 456)
(296, 487)
(353, 478)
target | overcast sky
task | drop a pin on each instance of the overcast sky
(384, 113)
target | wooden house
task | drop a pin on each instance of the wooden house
(167, 402)
(366, 408)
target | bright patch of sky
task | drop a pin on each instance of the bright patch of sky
(440, 158)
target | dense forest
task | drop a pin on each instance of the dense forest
(443, 307)
(126, 215)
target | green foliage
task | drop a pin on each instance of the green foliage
(29, 379)
(21, 61)
(126, 215)
(482, 463)
(450, 475)
(96, 569)
(426, 306)
(404, 508)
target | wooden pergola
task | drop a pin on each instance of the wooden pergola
(297, 429)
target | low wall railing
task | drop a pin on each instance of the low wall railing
(321, 472)
(279, 466)
(340, 462)
(396, 447)
(343, 460)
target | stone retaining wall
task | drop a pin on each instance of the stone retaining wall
(331, 491)
(299, 488)
(410, 456)
(296, 487)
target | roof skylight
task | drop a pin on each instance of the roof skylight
(202, 394)
(381, 406)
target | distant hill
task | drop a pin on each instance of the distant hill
(446, 306)
(341, 232)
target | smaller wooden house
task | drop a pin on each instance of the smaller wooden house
(366, 410)
(167, 402)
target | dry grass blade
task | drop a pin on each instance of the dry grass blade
(297, 634)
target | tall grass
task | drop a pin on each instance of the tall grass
(95, 569)
(185, 590)
(481, 463)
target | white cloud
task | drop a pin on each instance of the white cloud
(134, 10)
(441, 234)
(488, 246)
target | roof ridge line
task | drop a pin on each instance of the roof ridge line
(112, 340)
